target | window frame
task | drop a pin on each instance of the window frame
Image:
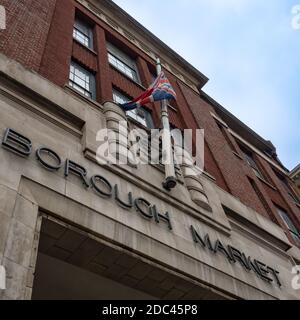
(226, 135)
(249, 157)
(122, 59)
(133, 114)
(262, 200)
(85, 30)
(287, 187)
(89, 93)
(289, 224)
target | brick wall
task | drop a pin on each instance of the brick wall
(57, 54)
(27, 27)
(87, 58)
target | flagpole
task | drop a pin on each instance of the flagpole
(170, 176)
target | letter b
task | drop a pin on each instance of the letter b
(16, 143)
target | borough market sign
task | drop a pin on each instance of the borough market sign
(22, 146)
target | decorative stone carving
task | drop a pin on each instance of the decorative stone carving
(191, 175)
(118, 146)
(117, 126)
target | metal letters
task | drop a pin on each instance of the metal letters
(17, 143)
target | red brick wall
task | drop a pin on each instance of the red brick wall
(281, 197)
(27, 27)
(104, 82)
(57, 55)
(85, 57)
(127, 86)
(212, 168)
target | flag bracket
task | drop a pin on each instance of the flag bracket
(170, 183)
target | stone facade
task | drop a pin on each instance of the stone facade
(162, 251)
(27, 189)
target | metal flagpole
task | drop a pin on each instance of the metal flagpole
(170, 180)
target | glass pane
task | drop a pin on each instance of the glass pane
(80, 79)
(289, 223)
(253, 164)
(131, 114)
(142, 121)
(257, 173)
(138, 115)
(81, 37)
(296, 237)
(80, 82)
(81, 26)
(119, 97)
(121, 66)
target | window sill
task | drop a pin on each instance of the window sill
(291, 239)
(81, 96)
(85, 47)
(267, 183)
(237, 155)
(172, 108)
(138, 124)
(210, 177)
(297, 204)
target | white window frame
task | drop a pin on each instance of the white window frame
(82, 80)
(123, 63)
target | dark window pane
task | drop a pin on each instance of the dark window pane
(83, 33)
(290, 225)
(140, 115)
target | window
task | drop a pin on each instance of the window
(290, 225)
(153, 76)
(119, 97)
(263, 200)
(83, 33)
(122, 62)
(287, 187)
(82, 80)
(226, 136)
(141, 115)
(250, 160)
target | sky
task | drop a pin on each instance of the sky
(249, 51)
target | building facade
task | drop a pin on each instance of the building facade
(295, 176)
(74, 228)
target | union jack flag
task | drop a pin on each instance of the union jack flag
(161, 89)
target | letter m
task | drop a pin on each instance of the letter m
(198, 239)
